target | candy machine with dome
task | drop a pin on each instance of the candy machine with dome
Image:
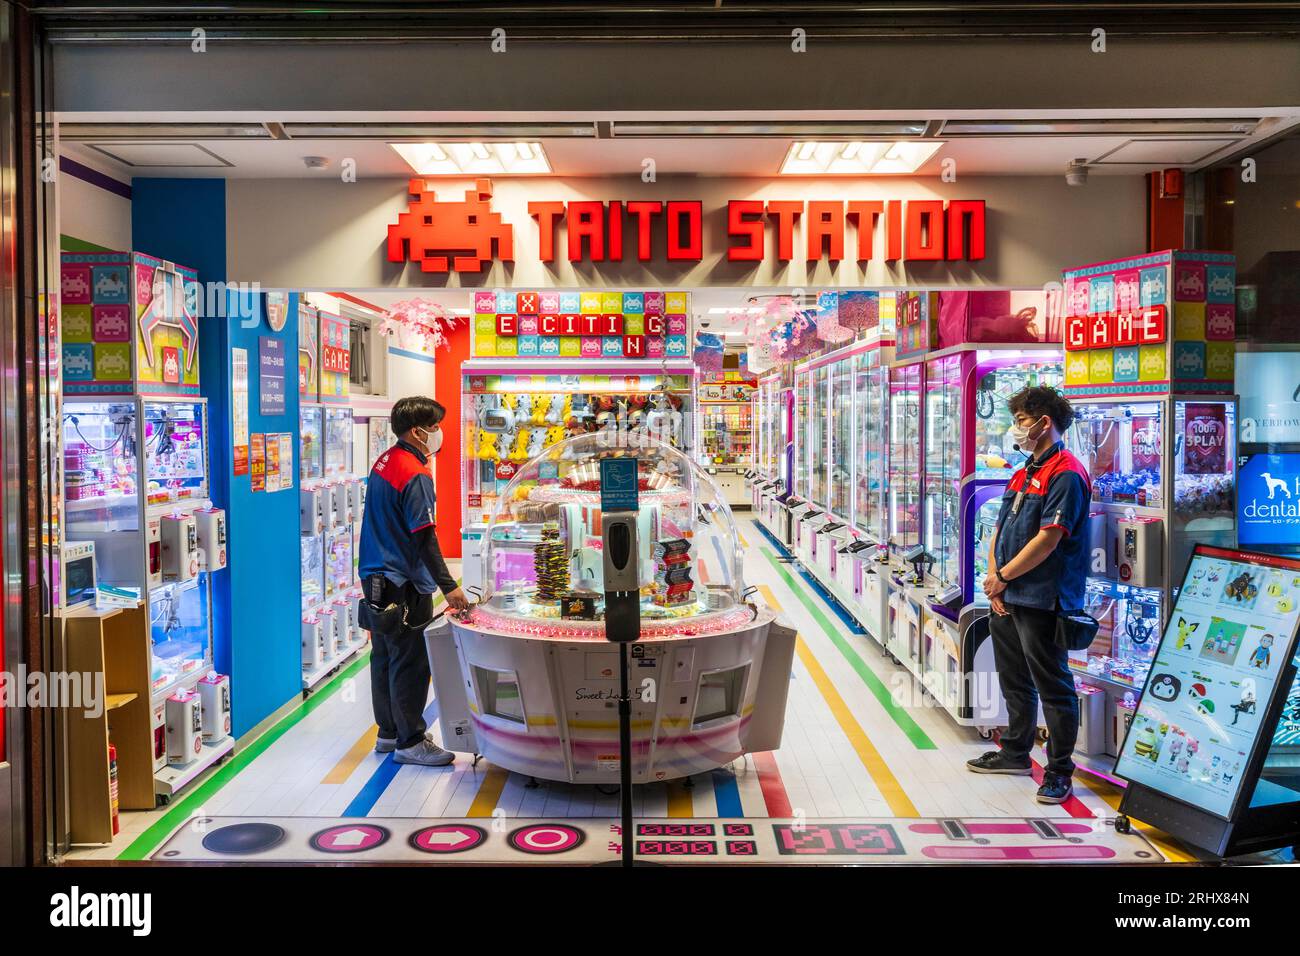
(527, 679)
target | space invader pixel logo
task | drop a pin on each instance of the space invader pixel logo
(450, 235)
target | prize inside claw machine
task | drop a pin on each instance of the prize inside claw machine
(510, 419)
(1145, 521)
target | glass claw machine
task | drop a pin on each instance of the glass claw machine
(513, 410)
(968, 461)
(1149, 367)
(903, 503)
(870, 549)
(136, 489)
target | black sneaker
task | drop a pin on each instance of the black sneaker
(1055, 789)
(995, 761)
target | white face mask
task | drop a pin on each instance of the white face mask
(1021, 436)
(432, 441)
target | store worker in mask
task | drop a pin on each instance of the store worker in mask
(1038, 561)
(400, 565)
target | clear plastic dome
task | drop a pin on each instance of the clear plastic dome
(543, 559)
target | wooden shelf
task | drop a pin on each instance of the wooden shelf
(114, 643)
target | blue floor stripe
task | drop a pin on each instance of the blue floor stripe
(727, 794)
(365, 801)
(828, 599)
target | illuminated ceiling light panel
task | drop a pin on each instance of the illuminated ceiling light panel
(811, 158)
(474, 159)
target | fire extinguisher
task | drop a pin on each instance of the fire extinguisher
(112, 785)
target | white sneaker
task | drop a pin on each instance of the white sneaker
(425, 754)
(385, 745)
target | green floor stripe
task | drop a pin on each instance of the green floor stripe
(920, 739)
(146, 842)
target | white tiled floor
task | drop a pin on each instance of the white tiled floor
(822, 773)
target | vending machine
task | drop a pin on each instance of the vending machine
(1149, 369)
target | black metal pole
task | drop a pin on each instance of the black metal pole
(625, 755)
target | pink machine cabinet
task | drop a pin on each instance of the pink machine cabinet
(527, 679)
(983, 348)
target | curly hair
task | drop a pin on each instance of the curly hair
(1039, 400)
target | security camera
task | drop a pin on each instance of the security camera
(1076, 174)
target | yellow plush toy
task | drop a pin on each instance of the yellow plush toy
(554, 435)
(520, 450)
(487, 446)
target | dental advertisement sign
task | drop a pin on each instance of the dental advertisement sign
(1268, 501)
(1215, 673)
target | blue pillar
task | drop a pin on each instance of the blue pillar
(255, 605)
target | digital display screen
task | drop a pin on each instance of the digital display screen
(1215, 671)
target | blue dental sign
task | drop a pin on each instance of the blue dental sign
(1268, 501)
(618, 484)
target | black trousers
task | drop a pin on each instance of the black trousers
(399, 670)
(1032, 666)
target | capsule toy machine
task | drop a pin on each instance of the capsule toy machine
(1001, 342)
(1150, 360)
(314, 515)
(513, 410)
(136, 484)
(527, 679)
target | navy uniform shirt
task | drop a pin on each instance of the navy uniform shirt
(399, 503)
(1057, 493)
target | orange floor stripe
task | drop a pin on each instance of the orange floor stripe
(365, 744)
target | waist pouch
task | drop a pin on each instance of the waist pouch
(1075, 630)
(386, 609)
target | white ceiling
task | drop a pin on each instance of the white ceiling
(756, 157)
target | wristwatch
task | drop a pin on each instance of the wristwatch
(998, 572)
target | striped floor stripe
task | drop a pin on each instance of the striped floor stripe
(364, 746)
(919, 738)
(680, 801)
(726, 793)
(373, 789)
(773, 787)
(900, 804)
(489, 792)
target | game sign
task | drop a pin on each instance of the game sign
(549, 324)
(335, 358)
(1151, 324)
(917, 323)
(1214, 677)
